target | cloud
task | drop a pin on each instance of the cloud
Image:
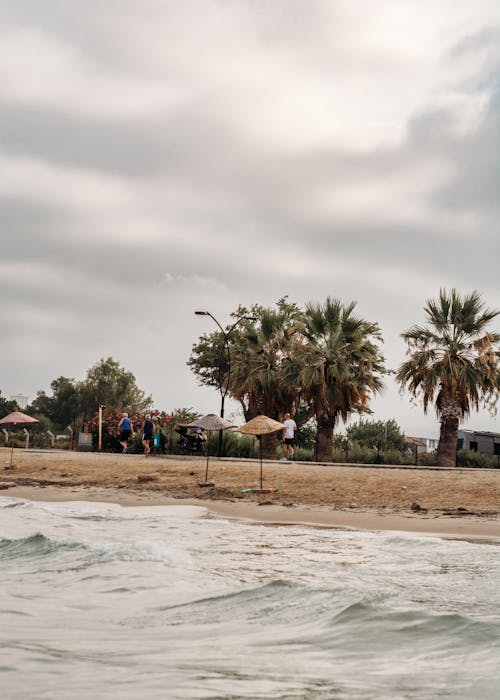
(159, 158)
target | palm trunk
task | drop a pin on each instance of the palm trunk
(269, 445)
(324, 439)
(447, 447)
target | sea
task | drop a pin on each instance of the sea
(102, 601)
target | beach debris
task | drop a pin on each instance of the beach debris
(206, 483)
(460, 511)
(416, 507)
(7, 485)
(141, 478)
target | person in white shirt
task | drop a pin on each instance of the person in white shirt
(288, 438)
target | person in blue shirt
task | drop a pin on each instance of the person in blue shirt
(126, 431)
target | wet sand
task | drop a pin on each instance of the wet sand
(456, 503)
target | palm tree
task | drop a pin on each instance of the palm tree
(338, 365)
(454, 363)
(258, 352)
(259, 355)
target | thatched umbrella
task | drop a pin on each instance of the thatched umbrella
(210, 423)
(261, 425)
(14, 419)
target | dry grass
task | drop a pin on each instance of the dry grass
(340, 487)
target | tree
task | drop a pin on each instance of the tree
(7, 406)
(261, 362)
(338, 366)
(454, 363)
(383, 434)
(111, 385)
(63, 407)
(259, 352)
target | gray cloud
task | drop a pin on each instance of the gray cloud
(160, 157)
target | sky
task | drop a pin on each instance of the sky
(166, 156)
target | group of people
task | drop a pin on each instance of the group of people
(127, 431)
(148, 434)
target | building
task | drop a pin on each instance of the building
(416, 444)
(481, 441)
(22, 401)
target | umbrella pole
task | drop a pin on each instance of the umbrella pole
(260, 443)
(11, 454)
(208, 453)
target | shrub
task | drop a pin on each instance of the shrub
(43, 441)
(427, 459)
(302, 454)
(470, 458)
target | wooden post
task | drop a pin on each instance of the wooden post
(99, 430)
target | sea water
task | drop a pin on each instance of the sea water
(102, 601)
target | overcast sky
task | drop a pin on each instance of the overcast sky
(162, 156)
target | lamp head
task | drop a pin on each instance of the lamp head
(201, 313)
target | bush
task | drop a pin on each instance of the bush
(43, 441)
(359, 454)
(427, 459)
(302, 454)
(470, 458)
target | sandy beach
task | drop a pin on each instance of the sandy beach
(461, 503)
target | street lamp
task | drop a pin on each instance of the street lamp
(224, 386)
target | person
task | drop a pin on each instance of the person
(125, 428)
(200, 440)
(147, 433)
(288, 438)
(159, 440)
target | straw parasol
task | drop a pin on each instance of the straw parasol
(210, 423)
(261, 425)
(14, 419)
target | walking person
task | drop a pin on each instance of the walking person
(288, 438)
(126, 431)
(148, 430)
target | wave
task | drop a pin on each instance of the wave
(40, 546)
(337, 616)
(11, 502)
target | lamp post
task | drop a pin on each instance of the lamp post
(224, 385)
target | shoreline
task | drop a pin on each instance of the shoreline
(481, 531)
(462, 504)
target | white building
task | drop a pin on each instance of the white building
(22, 401)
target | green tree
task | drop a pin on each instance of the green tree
(111, 385)
(453, 363)
(259, 351)
(7, 406)
(338, 366)
(62, 408)
(386, 435)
